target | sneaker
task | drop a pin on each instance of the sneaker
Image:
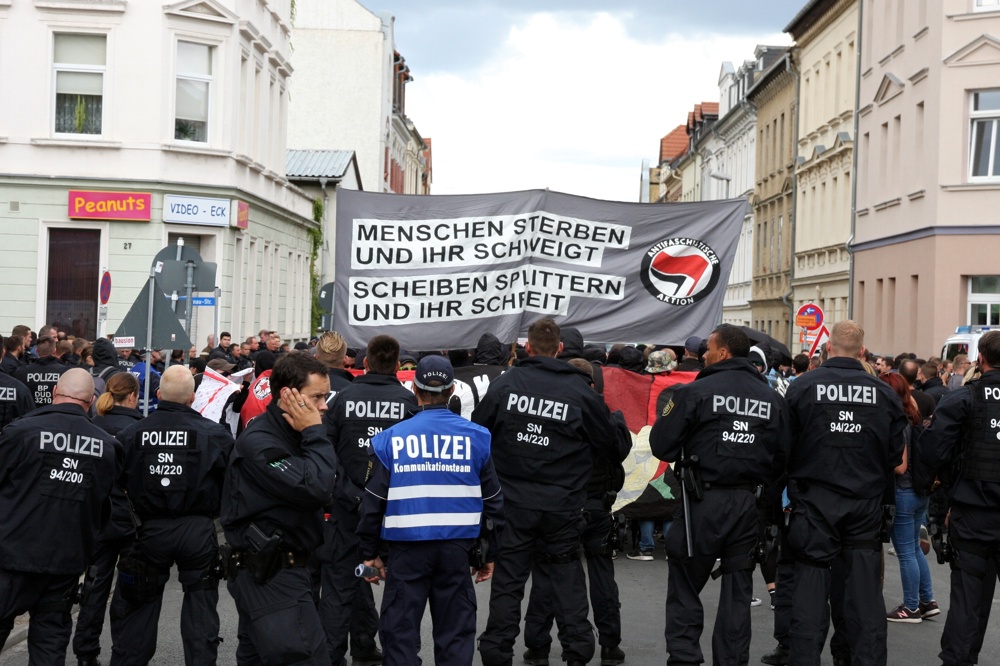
(903, 614)
(612, 655)
(776, 657)
(929, 609)
(754, 602)
(891, 550)
(534, 657)
(641, 555)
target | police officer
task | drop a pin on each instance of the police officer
(606, 479)
(432, 483)
(116, 410)
(15, 398)
(175, 461)
(371, 403)
(56, 471)
(545, 421)
(279, 478)
(41, 376)
(961, 443)
(139, 371)
(723, 431)
(847, 438)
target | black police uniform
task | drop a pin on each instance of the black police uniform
(847, 438)
(175, 461)
(545, 421)
(606, 480)
(368, 405)
(56, 472)
(116, 540)
(962, 442)
(277, 481)
(15, 400)
(41, 377)
(737, 426)
(10, 364)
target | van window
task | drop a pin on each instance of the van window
(953, 349)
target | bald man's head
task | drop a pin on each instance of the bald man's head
(75, 386)
(177, 385)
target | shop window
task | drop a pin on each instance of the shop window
(73, 281)
(80, 62)
(193, 92)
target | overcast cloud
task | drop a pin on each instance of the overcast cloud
(572, 98)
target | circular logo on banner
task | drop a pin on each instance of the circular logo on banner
(680, 271)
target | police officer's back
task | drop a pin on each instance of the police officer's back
(15, 398)
(363, 408)
(175, 461)
(41, 376)
(279, 478)
(425, 504)
(545, 419)
(56, 472)
(723, 431)
(847, 438)
(961, 445)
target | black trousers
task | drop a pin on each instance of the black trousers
(279, 624)
(190, 542)
(725, 525)
(90, 620)
(46, 597)
(973, 582)
(422, 572)
(600, 580)
(823, 526)
(347, 604)
(551, 539)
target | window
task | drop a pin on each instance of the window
(986, 5)
(984, 300)
(985, 148)
(194, 86)
(79, 62)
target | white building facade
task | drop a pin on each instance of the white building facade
(108, 156)
(350, 94)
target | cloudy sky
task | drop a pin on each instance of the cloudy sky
(568, 95)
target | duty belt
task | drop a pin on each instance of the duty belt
(287, 559)
(749, 487)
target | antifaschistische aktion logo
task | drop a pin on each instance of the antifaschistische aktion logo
(680, 271)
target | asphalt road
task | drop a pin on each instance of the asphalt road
(643, 588)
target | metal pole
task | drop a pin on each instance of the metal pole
(189, 290)
(218, 314)
(149, 342)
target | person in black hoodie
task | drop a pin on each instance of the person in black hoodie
(472, 381)
(105, 363)
(116, 410)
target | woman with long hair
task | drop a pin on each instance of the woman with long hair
(911, 513)
(116, 409)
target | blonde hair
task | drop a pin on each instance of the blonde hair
(118, 388)
(330, 349)
(847, 339)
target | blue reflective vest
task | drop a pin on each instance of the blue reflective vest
(434, 460)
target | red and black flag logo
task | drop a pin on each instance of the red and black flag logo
(680, 271)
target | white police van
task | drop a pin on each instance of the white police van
(965, 341)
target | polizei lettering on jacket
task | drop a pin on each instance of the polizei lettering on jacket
(374, 409)
(173, 439)
(540, 407)
(862, 395)
(64, 442)
(8, 394)
(433, 447)
(727, 404)
(43, 377)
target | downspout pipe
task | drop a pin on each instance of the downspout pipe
(854, 167)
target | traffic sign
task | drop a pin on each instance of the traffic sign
(821, 337)
(203, 301)
(105, 287)
(809, 316)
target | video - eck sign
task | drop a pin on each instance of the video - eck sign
(95, 205)
(196, 210)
